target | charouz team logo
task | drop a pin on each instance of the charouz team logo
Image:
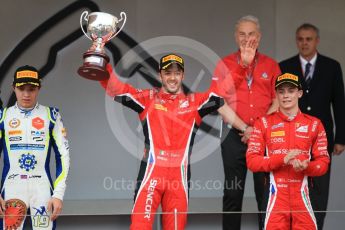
(27, 162)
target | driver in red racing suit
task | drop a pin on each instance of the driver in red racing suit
(290, 146)
(170, 120)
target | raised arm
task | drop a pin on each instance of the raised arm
(125, 93)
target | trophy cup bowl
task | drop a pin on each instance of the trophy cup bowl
(101, 28)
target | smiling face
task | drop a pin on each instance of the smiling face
(246, 31)
(171, 79)
(26, 95)
(288, 96)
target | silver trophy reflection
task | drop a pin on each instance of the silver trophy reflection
(101, 27)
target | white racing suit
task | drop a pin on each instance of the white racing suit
(26, 139)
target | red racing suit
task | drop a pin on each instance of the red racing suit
(169, 124)
(288, 204)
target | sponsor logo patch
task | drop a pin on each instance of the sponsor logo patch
(35, 176)
(288, 76)
(27, 162)
(184, 104)
(64, 132)
(279, 125)
(38, 133)
(172, 58)
(314, 126)
(41, 218)
(264, 122)
(27, 147)
(12, 176)
(279, 151)
(15, 132)
(161, 107)
(27, 74)
(150, 198)
(37, 139)
(278, 133)
(277, 140)
(14, 123)
(54, 112)
(302, 129)
(15, 138)
(301, 136)
(38, 123)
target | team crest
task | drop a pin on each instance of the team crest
(14, 123)
(27, 162)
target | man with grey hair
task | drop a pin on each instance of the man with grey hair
(323, 88)
(253, 97)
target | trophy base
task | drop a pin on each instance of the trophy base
(94, 67)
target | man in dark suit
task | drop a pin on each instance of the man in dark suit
(323, 88)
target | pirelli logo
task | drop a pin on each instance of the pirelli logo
(288, 76)
(172, 58)
(27, 74)
(161, 107)
(15, 132)
(278, 134)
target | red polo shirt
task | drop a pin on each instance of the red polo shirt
(249, 100)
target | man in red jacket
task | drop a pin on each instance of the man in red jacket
(170, 119)
(252, 95)
(291, 146)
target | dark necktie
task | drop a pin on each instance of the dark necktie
(307, 74)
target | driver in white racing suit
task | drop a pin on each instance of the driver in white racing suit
(28, 131)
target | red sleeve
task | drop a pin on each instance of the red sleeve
(209, 101)
(319, 165)
(228, 77)
(114, 87)
(255, 156)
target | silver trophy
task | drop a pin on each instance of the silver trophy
(101, 27)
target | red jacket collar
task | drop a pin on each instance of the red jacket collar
(287, 118)
(170, 96)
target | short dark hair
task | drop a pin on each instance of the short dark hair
(308, 26)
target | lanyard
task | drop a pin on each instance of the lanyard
(250, 70)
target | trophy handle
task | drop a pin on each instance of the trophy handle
(84, 16)
(124, 18)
